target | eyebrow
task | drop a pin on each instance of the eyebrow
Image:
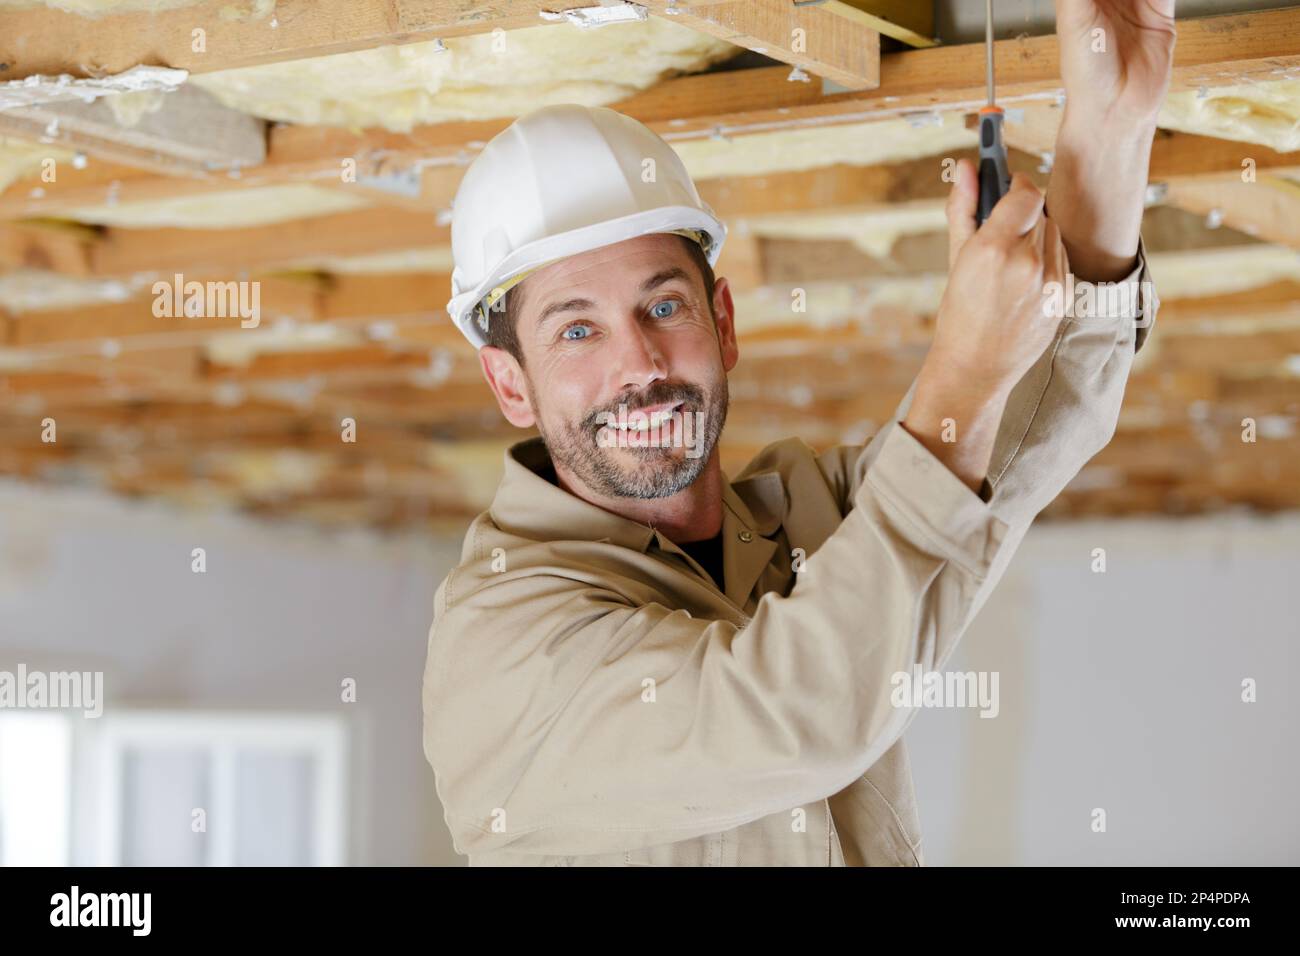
(575, 305)
(555, 308)
(667, 275)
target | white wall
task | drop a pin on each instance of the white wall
(1122, 691)
(1118, 690)
(281, 616)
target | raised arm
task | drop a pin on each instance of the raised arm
(1116, 59)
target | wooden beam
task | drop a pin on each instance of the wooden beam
(910, 21)
(385, 295)
(51, 41)
(842, 187)
(1261, 351)
(191, 131)
(363, 232)
(1174, 156)
(404, 309)
(1172, 465)
(1267, 208)
(1166, 228)
(741, 261)
(1211, 51)
(98, 182)
(1262, 304)
(812, 38)
(54, 247)
(91, 325)
(1030, 126)
(369, 363)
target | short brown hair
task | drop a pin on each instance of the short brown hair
(502, 332)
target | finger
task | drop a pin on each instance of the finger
(1053, 277)
(1019, 210)
(1054, 258)
(1056, 273)
(962, 203)
(1036, 241)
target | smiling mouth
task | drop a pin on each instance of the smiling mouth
(642, 420)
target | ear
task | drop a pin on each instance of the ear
(508, 384)
(725, 310)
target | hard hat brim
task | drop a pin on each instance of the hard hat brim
(463, 307)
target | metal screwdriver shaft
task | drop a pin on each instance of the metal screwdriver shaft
(994, 175)
(988, 49)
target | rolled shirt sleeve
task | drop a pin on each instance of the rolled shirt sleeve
(1066, 407)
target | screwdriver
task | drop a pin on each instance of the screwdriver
(995, 177)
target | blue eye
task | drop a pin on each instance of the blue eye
(658, 305)
(574, 328)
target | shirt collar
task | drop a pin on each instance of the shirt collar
(526, 503)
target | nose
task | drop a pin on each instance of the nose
(641, 361)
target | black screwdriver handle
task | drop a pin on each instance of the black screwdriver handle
(995, 176)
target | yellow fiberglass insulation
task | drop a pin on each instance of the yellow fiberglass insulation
(476, 77)
(257, 206)
(809, 147)
(1266, 113)
(20, 159)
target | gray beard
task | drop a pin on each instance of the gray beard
(659, 472)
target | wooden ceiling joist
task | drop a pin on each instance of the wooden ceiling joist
(52, 247)
(1211, 51)
(190, 132)
(1192, 166)
(1266, 207)
(905, 20)
(43, 40)
(406, 309)
(833, 39)
(175, 406)
(91, 325)
(810, 37)
(364, 232)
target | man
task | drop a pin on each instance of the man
(642, 661)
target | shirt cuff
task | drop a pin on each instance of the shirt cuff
(1136, 302)
(952, 518)
(1150, 301)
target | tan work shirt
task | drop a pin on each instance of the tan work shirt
(591, 698)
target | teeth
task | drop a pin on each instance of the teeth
(641, 423)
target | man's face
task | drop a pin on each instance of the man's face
(625, 366)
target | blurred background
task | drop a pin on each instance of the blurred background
(241, 524)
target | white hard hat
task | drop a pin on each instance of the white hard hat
(559, 181)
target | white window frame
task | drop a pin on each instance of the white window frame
(36, 784)
(105, 742)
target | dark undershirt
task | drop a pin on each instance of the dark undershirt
(709, 556)
(708, 553)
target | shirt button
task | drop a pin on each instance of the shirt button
(746, 536)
